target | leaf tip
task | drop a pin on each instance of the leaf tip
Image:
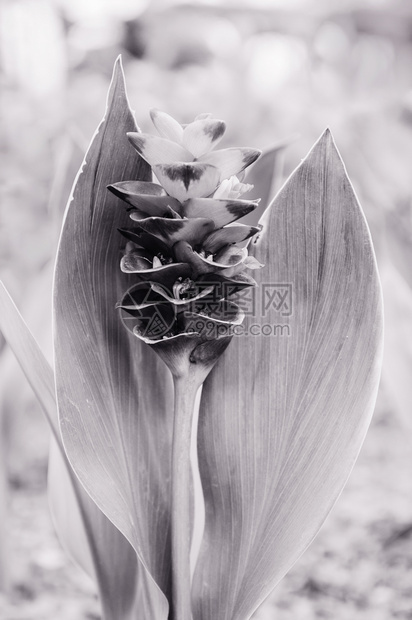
(118, 71)
(326, 139)
(118, 81)
(325, 150)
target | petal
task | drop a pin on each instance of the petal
(252, 263)
(135, 261)
(171, 231)
(230, 161)
(225, 286)
(184, 181)
(219, 312)
(201, 265)
(151, 323)
(184, 252)
(232, 188)
(167, 126)
(157, 150)
(145, 240)
(202, 292)
(222, 212)
(165, 274)
(234, 284)
(137, 187)
(167, 339)
(202, 135)
(154, 205)
(230, 256)
(230, 234)
(139, 297)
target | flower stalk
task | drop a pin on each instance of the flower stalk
(185, 394)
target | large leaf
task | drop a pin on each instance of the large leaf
(283, 415)
(86, 533)
(114, 394)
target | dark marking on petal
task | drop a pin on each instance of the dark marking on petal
(145, 188)
(117, 192)
(241, 208)
(146, 240)
(186, 173)
(216, 130)
(163, 227)
(226, 236)
(130, 235)
(251, 156)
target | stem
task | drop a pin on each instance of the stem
(185, 394)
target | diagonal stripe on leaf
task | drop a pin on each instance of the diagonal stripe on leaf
(283, 417)
(114, 395)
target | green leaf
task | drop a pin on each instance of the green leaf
(85, 532)
(114, 394)
(283, 417)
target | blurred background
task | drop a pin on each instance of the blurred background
(278, 71)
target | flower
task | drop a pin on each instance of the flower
(232, 188)
(184, 246)
(183, 159)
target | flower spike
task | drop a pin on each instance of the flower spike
(183, 251)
